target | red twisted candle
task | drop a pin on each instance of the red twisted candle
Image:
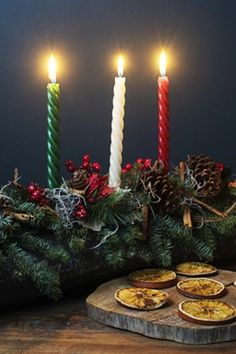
(163, 115)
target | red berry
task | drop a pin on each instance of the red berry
(36, 195)
(71, 168)
(69, 162)
(123, 170)
(220, 166)
(91, 200)
(86, 158)
(81, 212)
(128, 166)
(96, 166)
(147, 163)
(140, 160)
(85, 165)
(32, 187)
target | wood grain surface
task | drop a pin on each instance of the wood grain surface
(163, 323)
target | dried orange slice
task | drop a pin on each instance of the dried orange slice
(141, 298)
(201, 288)
(207, 311)
(195, 269)
(152, 278)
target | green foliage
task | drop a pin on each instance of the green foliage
(116, 260)
(132, 178)
(25, 266)
(160, 245)
(76, 244)
(110, 210)
(46, 248)
(225, 227)
(204, 244)
(42, 249)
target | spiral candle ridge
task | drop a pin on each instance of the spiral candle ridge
(53, 158)
(116, 148)
(163, 109)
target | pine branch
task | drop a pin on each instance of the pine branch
(116, 260)
(27, 267)
(204, 244)
(76, 245)
(160, 242)
(50, 250)
(226, 227)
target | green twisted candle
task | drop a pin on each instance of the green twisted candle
(53, 156)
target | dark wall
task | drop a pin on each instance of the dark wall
(200, 35)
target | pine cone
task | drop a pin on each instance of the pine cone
(164, 193)
(207, 175)
(79, 180)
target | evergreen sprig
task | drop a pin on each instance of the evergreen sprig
(42, 250)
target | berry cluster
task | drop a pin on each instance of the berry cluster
(37, 194)
(143, 164)
(94, 185)
(81, 212)
(86, 165)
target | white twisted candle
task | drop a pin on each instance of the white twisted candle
(117, 125)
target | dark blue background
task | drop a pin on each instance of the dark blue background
(200, 35)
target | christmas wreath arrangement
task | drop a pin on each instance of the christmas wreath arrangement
(48, 236)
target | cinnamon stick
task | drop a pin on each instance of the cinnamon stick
(186, 210)
(145, 223)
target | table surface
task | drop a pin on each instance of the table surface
(64, 327)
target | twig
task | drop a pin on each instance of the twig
(208, 219)
(19, 216)
(230, 209)
(78, 192)
(221, 216)
(16, 175)
(16, 178)
(210, 208)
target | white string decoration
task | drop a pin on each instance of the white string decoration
(65, 203)
(104, 239)
(4, 196)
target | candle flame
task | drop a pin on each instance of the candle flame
(120, 66)
(52, 69)
(163, 61)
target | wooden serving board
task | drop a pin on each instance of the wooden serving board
(163, 323)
